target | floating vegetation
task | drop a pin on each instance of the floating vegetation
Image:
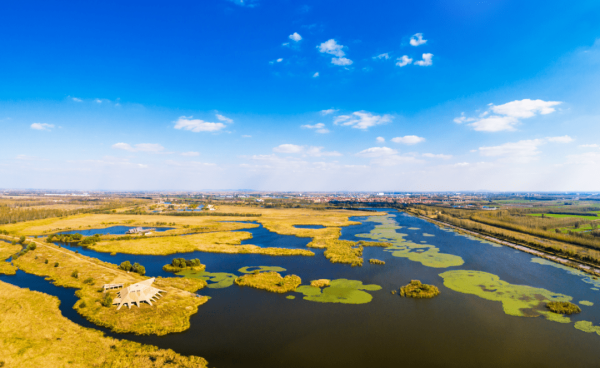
(426, 254)
(414, 228)
(215, 280)
(339, 291)
(563, 307)
(595, 289)
(418, 290)
(587, 326)
(290, 297)
(320, 283)
(517, 300)
(585, 302)
(376, 261)
(573, 271)
(428, 235)
(482, 241)
(270, 281)
(253, 269)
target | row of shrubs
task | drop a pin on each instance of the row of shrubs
(136, 267)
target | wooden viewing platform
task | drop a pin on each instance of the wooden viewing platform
(112, 286)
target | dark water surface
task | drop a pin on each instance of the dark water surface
(245, 327)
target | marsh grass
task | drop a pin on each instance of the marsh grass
(376, 261)
(170, 313)
(35, 334)
(320, 283)
(270, 281)
(416, 289)
(6, 251)
(563, 307)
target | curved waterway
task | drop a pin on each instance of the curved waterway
(484, 316)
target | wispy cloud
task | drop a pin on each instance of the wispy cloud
(417, 39)
(288, 148)
(328, 111)
(316, 75)
(385, 156)
(523, 151)
(508, 116)
(140, 147)
(319, 127)
(439, 155)
(383, 56)
(42, 126)
(342, 61)
(190, 154)
(589, 146)
(362, 120)
(76, 99)
(224, 119)
(403, 61)
(247, 3)
(306, 151)
(197, 125)
(409, 139)
(380, 140)
(276, 61)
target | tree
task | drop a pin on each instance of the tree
(125, 266)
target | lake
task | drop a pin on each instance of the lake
(254, 328)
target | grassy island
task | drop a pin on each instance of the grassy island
(418, 290)
(35, 334)
(376, 261)
(320, 283)
(563, 307)
(170, 314)
(182, 264)
(6, 251)
(270, 281)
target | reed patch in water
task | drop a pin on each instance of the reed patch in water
(376, 261)
(563, 307)
(416, 289)
(320, 283)
(270, 281)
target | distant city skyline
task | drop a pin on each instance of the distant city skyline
(311, 96)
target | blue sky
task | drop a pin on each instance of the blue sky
(300, 95)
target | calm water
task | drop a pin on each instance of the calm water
(114, 230)
(244, 327)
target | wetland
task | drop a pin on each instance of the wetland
(492, 299)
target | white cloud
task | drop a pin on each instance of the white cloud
(318, 152)
(440, 156)
(563, 139)
(41, 126)
(248, 3)
(123, 146)
(403, 61)
(426, 60)
(98, 101)
(328, 111)
(409, 139)
(589, 146)
(522, 151)
(588, 159)
(26, 157)
(246, 136)
(141, 147)
(525, 108)
(295, 37)
(332, 47)
(76, 99)
(142, 166)
(288, 148)
(223, 118)
(509, 115)
(320, 127)
(362, 120)
(341, 61)
(276, 61)
(380, 140)
(197, 125)
(190, 154)
(382, 56)
(417, 39)
(316, 75)
(377, 152)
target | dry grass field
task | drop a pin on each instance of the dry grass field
(33, 334)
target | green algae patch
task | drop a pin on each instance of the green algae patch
(517, 300)
(573, 271)
(339, 291)
(595, 289)
(586, 302)
(215, 280)
(290, 297)
(587, 326)
(428, 235)
(252, 269)
(563, 307)
(416, 289)
(426, 254)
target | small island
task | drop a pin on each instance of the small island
(181, 264)
(418, 290)
(270, 281)
(563, 307)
